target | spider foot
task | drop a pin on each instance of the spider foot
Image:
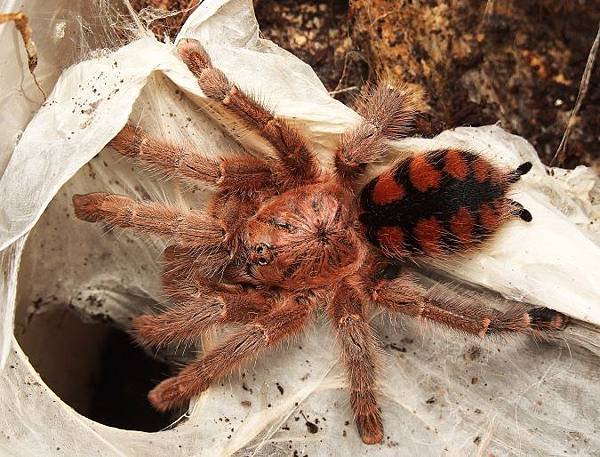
(128, 141)
(87, 207)
(172, 393)
(547, 319)
(212, 81)
(370, 427)
(391, 107)
(193, 54)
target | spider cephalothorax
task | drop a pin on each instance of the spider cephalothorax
(305, 238)
(280, 238)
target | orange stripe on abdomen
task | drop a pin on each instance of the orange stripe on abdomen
(428, 233)
(423, 175)
(462, 224)
(455, 164)
(489, 218)
(392, 239)
(387, 190)
(481, 168)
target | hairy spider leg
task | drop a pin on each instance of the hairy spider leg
(240, 173)
(266, 331)
(299, 164)
(199, 233)
(197, 308)
(388, 112)
(404, 295)
(359, 351)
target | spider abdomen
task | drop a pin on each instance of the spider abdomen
(438, 202)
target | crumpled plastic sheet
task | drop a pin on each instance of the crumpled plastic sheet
(441, 393)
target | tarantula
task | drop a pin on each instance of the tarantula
(281, 238)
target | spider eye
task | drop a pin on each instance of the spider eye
(281, 224)
(262, 254)
(261, 248)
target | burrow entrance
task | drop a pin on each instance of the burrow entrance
(95, 368)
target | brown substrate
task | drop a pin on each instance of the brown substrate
(518, 62)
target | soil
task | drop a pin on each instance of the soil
(164, 17)
(318, 33)
(518, 63)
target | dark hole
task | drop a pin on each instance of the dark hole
(95, 368)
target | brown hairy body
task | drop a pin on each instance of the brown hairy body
(280, 239)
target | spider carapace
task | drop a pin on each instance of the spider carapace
(280, 238)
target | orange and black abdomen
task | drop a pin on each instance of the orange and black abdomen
(438, 202)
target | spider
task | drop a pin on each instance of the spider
(281, 238)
